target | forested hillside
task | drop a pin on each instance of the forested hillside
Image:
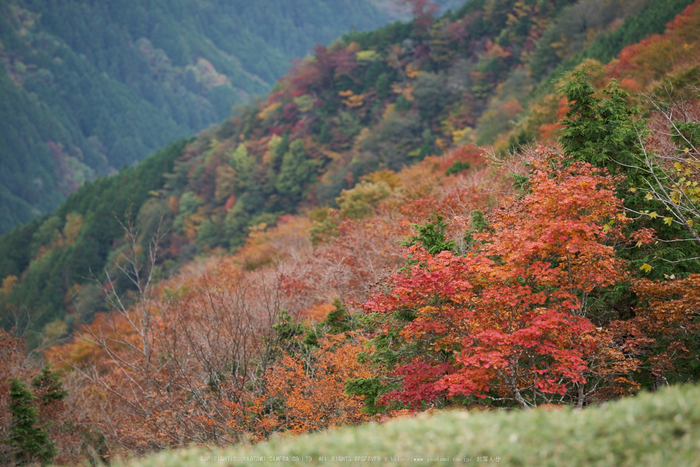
(353, 234)
(375, 100)
(88, 87)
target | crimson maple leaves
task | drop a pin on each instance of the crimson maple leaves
(507, 320)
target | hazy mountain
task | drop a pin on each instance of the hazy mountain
(87, 87)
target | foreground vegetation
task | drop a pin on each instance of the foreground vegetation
(658, 429)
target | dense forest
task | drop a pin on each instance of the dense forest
(87, 87)
(492, 207)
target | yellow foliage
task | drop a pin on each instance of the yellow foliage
(388, 110)
(367, 56)
(190, 224)
(359, 202)
(460, 135)
(561, 47)
(74, 223)
(387, 176)
(264, 113)
(443, 144)
(305, 102)
(8, 283)
(411, 72)
(353, 100)
(404, 89)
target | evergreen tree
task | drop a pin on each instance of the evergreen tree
(383, 86)
(432, 236)
(30, 441)
(602, 132)
(338, 320)
(296, 172)
(50, 385)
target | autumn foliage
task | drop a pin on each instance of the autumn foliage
(507, 320)
(324, 320)
(473, 278)
(319, 321)
(306, 394)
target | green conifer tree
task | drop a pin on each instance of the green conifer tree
(49, 383)
(602, 132)
(30, 442)
(432, 236)
(605, 133)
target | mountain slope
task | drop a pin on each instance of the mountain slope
(543, 291)
(372, 101)
(89, 87)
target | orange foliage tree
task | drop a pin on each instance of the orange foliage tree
(507, 320)
(306, 393)
(664, 332)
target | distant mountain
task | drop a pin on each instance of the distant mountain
(87, 86)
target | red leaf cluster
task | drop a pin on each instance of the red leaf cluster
(507, 318)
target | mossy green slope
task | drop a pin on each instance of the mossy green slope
(660, 429)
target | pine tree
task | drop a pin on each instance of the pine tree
(432, 236)
(30, 442)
